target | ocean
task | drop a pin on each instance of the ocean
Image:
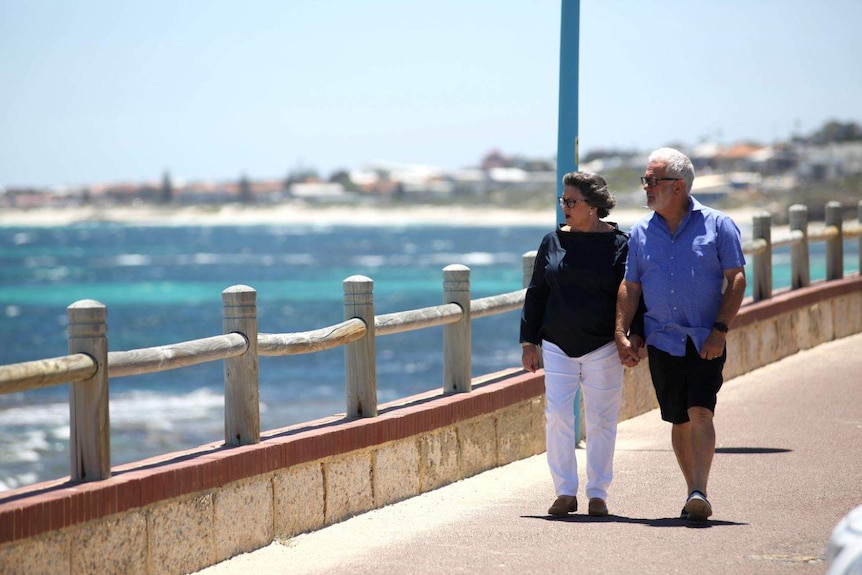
(163, 284)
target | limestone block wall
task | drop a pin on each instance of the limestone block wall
(184, 511)
(188, 510)
(791, 321)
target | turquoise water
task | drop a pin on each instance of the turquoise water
(163, 285)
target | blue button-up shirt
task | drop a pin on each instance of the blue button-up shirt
(682, 274)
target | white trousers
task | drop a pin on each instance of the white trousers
(599, 375)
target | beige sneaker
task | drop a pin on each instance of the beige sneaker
(597, 507)
(564, 505)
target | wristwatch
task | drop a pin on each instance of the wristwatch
(720, 326)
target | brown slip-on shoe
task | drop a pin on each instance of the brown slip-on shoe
(597, 507)
(564, 505)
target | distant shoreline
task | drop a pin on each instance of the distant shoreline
(456, 215)
(303, 214)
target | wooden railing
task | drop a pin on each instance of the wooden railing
(798, 237)
(89, 365)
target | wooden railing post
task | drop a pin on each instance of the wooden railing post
(834, 244)
(528, 261)
(457, 337)
(762, 261)
(241, 373)
(90, 441)
(800, 270)
(859, 219)
(360, 356)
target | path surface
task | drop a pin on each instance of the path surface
(788, 467)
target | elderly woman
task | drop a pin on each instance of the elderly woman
(569, 311)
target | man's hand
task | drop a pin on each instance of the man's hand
(713, 347)
(629, 347)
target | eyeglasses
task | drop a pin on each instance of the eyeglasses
(651, 182)
(569, 202)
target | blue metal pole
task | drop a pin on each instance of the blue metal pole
(567, 127)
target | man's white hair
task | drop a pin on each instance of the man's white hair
(678, 165)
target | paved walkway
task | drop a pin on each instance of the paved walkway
(788, 467)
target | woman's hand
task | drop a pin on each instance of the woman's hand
(629, 348)
(530, 357)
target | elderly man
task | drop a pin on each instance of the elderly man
(686, 260)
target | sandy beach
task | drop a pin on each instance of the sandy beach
(308, 215)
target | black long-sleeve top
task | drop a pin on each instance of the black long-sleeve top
(572, 296)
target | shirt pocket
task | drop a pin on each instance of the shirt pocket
(704, 243)
(705, 256)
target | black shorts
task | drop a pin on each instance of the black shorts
(683, 382)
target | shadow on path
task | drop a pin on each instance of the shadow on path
(718, 450)
(657, 522)
(751, 450)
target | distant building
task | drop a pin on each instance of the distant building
(829, 161)
(320, 192)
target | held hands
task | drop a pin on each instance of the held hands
(630, 348)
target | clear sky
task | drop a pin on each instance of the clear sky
(108, 90)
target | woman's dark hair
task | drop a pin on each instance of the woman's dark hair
(594, 188)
